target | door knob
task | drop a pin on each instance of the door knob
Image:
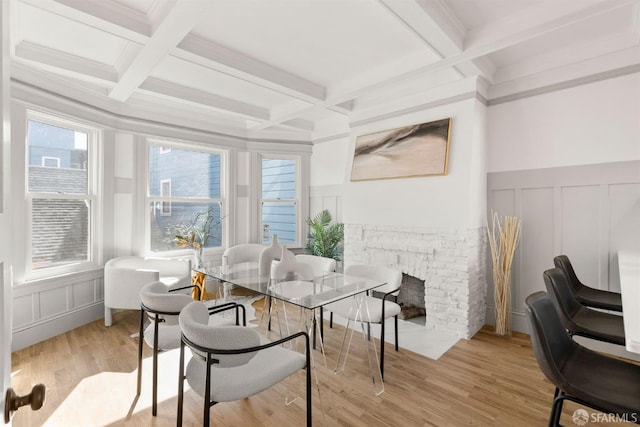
(13, 402)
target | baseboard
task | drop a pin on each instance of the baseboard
(56, 326)
(519, 322)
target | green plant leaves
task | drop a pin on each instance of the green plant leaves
(324, 237)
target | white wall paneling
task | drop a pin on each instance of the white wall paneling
(45, 308)
(586, 212)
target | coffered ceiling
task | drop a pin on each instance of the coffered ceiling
(307, 70)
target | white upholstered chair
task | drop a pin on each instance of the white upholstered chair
(242, 255)
(161, 307)
(320, 265)
(163, 331)
(124, 277)
(234, 362)
(377, 310)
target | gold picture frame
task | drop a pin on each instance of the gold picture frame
(409, 151)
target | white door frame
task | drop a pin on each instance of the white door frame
(5, 212)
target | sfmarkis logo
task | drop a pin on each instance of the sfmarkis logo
(581, 417)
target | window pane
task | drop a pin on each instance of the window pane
(280, 219)
(60, 232)
(278, 179)
(191, 173)
(57, 159)
(164, 228)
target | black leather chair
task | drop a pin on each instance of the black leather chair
(579, 319)
(586, 295)
(603, 383)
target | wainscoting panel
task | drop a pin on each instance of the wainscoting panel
(48, 307)
(585, 212)
(53, 302)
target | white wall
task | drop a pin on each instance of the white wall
(594, 123)
(564, 162)
(433, 201)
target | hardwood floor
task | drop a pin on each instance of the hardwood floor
(486, 381)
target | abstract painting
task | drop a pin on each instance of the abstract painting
(409, 151)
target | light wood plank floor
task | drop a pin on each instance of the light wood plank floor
(486, 381)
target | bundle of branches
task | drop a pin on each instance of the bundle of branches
(503, 240)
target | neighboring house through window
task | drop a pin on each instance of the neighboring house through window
(61, 198)
(279, 213)
(181, 184)
(165, 191)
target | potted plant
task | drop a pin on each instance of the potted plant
(196, 233)
(325, 237)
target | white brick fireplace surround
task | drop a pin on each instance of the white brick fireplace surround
(450, 261)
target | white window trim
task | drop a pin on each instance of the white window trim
(44, 161)
(164, 205)
(94, 184)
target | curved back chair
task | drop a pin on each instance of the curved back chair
(239, 256)
(586, 295)
(286, 277)
(242, 253)
(234, 362)
(607, 384)
(163, 332)
(579, 319)
(321, 265)
(125, 276)
(374, 310)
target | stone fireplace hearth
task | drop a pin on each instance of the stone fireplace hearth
(450, 262)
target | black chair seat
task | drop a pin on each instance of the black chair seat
(593, 379)
(586, 295)
(604, 381)
(579, 319)
(599, 325)
(598, 298)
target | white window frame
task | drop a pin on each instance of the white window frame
(94, 152)
(296, 201)
(165, 207)
(45, 158)
(166, 146)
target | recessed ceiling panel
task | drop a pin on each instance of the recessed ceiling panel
(65, 35)
(142, 6)
(581, 33)
(321, 41)
(474, 14)
(214, 82)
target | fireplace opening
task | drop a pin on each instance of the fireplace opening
(411, 298)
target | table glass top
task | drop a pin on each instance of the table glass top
(308, 294)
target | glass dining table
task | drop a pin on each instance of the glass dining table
(310, 296)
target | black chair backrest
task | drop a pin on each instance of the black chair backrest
(562, 295)
(562, 262)
(551, 343)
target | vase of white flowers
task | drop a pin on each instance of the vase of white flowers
(196, 233)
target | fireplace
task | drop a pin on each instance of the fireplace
(449, 264)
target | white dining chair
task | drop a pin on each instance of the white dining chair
(234, 362)
(371, 309)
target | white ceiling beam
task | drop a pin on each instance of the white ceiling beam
(439, 29)
(181, 19)
(483, 41)
(220, 58)
(199, 97)
(300, 124)
(64, 61)
(104, 15)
